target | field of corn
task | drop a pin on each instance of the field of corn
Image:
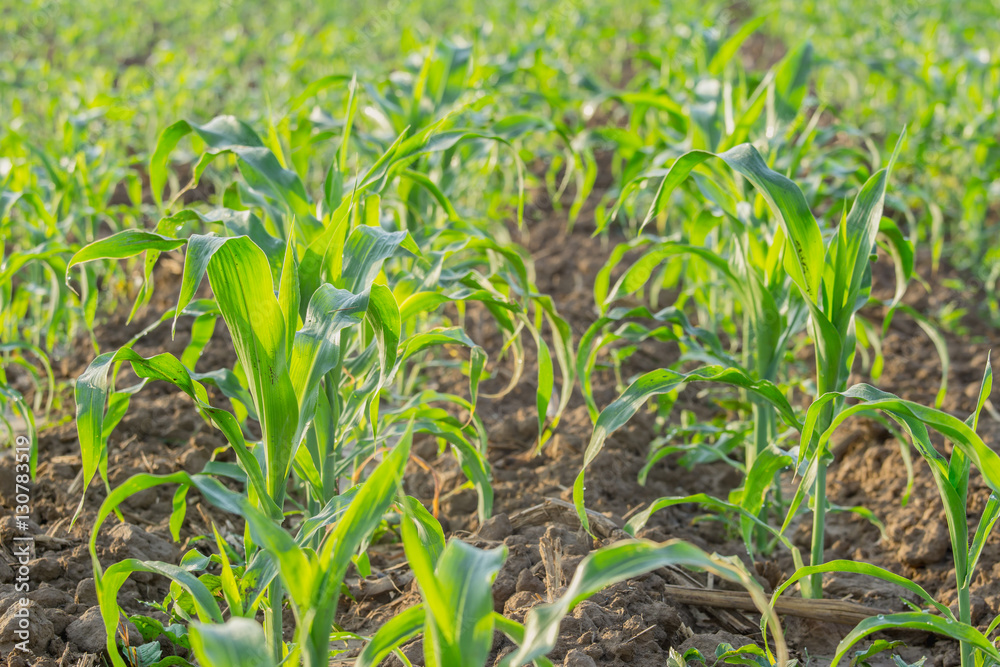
(452, 333)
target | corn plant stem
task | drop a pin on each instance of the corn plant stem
(273, 621)
(965, 616)
(819, 529)
(272, 615)
(960, 547)
(827, 380)
(764, 427)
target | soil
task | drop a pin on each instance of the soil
(633, 623)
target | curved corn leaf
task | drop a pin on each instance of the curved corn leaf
(663, 381)
(92, 390)
(802, 233)
(854, 567)
(915, 620)
(619, 562)
(395, 632)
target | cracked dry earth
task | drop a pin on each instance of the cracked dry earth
(632, 623)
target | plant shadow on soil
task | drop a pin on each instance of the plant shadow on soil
(631, 623)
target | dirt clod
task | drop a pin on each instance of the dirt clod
(496, 528)
(87, 632)
(21, 623)
(577, 658)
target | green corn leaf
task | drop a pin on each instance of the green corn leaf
(361, 518)
(218, 133)
(383, 315)
(876, 647)
(230, 589)
(127, 243)
(109, 582)
(92, 390)
(640, 519)
(546, 385)
(854, 567)
(241, 280)
(317, 347)
(425, 302)
(759, 480)
(14, 398)
(983, 457)
(456, 585)
(727, 52)
(239, 642)
(856, 241)
(200, 250)
(464, 633)
(288, 294)
(472, 460)
(916, 621)
(991, 514)
(619, 562)
(903, 254)
(515, 631)
(663, 381)
(593, 340)
(805, 261)
(366, 249)
(395, 632)
(428, 531)
(224, 134)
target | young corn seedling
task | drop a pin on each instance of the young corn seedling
(704, 100)
(311, 565)
(951, 474)
(457, 616)
(832, 278)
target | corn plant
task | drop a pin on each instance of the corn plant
(456, 578)
(312, 576)
(323, 325)
(951, 475)
(833, 280)
(704, 100)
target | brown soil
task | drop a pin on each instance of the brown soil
(632, 623)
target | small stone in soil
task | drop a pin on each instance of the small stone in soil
(526, 581)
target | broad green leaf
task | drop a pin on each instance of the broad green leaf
(239, 642)
(366, 249)
(241, 281)
(916, 621)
